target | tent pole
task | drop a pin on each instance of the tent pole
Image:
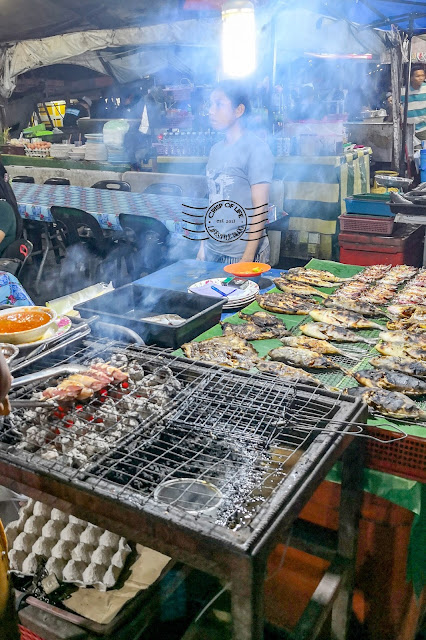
(407, 86)
(396, 68)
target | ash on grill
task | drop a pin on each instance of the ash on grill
(73, 433)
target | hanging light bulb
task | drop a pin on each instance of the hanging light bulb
(238, 38)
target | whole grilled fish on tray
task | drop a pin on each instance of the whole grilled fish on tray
(303, 358)
(286, 285)
(343, 318)
(319, 346)
(251, 331)
(364, 308)
(391, 380)
(404, 364)
(402, 350)
(227, 351)
(404, 337)
(289, 373)
(323, 331)
(261, 319)
(286, 303)
(326, 276)
(390, 403)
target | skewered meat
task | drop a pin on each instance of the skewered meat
(364, 308)
(261, 319)
(342, 318)
(391, 380)
(319, 346)
(251, 331)
(399, 363)
(297, 288)
(289, 373)
(82, 386)
(323, 331)
(285, 303)
(303, 358)
(227, 351)
(390, 403)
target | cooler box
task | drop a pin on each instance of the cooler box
(405, 246)
(369, 204)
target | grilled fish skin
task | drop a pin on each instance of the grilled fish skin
(403, 364)
(284, 371)
(297, 288)
(261, 319)
(251, 331)
(323, 331)
(364, 308)
(403, 337)
(390, 403)
(324, 275)
(343, 318)
(400, 349)
(303, 358)
(391, 380)
(319, 346)
(227, 351)
(279, 303)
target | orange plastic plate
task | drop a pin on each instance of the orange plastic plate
(247, 269)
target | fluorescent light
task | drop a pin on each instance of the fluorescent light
(238, 38)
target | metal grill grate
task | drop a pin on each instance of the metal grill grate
(219, 435)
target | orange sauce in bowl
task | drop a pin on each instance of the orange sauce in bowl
(17, 321)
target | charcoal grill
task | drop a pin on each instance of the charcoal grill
(222, 429)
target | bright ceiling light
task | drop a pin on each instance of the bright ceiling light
(238, 38)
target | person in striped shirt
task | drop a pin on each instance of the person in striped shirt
(416, 101)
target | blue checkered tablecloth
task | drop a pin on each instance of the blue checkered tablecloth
(12, 292)
(35, 200)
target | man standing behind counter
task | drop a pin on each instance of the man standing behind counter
(416, 101)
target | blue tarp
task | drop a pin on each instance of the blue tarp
(378, 13)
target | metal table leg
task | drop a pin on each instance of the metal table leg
(349, 515)
(247, 598)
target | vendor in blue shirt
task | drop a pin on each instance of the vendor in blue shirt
(239, 170)
(76, 110)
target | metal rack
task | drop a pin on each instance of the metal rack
(221, 428)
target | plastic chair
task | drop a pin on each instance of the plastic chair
(58, 181)
(25, 179)
(144, 242)
(113, 185)
(86, 245)
(15, 256)
(164, 189)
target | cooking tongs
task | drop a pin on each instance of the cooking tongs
(39, 376)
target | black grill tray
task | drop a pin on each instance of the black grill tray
(127, 305)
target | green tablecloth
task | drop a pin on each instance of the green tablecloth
(406, 493)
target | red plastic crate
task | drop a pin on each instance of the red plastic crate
(367, 224)
(405, 246)
(26, 634)
(406, 458)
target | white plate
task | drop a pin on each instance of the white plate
(61, 325)
(238, 296)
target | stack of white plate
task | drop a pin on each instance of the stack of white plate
(78, 153)
(61, 151)
(237, 300)
(95, 150)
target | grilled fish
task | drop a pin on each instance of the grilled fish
(303, 358)
(403, 337)
(316, 273)
(297, 288)
(391, 380)
(365, 308)
(390, 403)
(261, 319)
(323, 331)
(278, 303)
(400, 363)
(227, 351)
(319, 346)
(400, 349)
(251, 331)
(342, 318)
(284, 371)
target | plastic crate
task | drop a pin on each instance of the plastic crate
(406, 458)
(405, 246)
(368, 206)
(367, 224)
(26, 634)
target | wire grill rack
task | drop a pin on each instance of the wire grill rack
(220, 430)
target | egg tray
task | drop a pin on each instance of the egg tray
(77, 552)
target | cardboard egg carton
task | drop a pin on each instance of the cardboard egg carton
(77, 552)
